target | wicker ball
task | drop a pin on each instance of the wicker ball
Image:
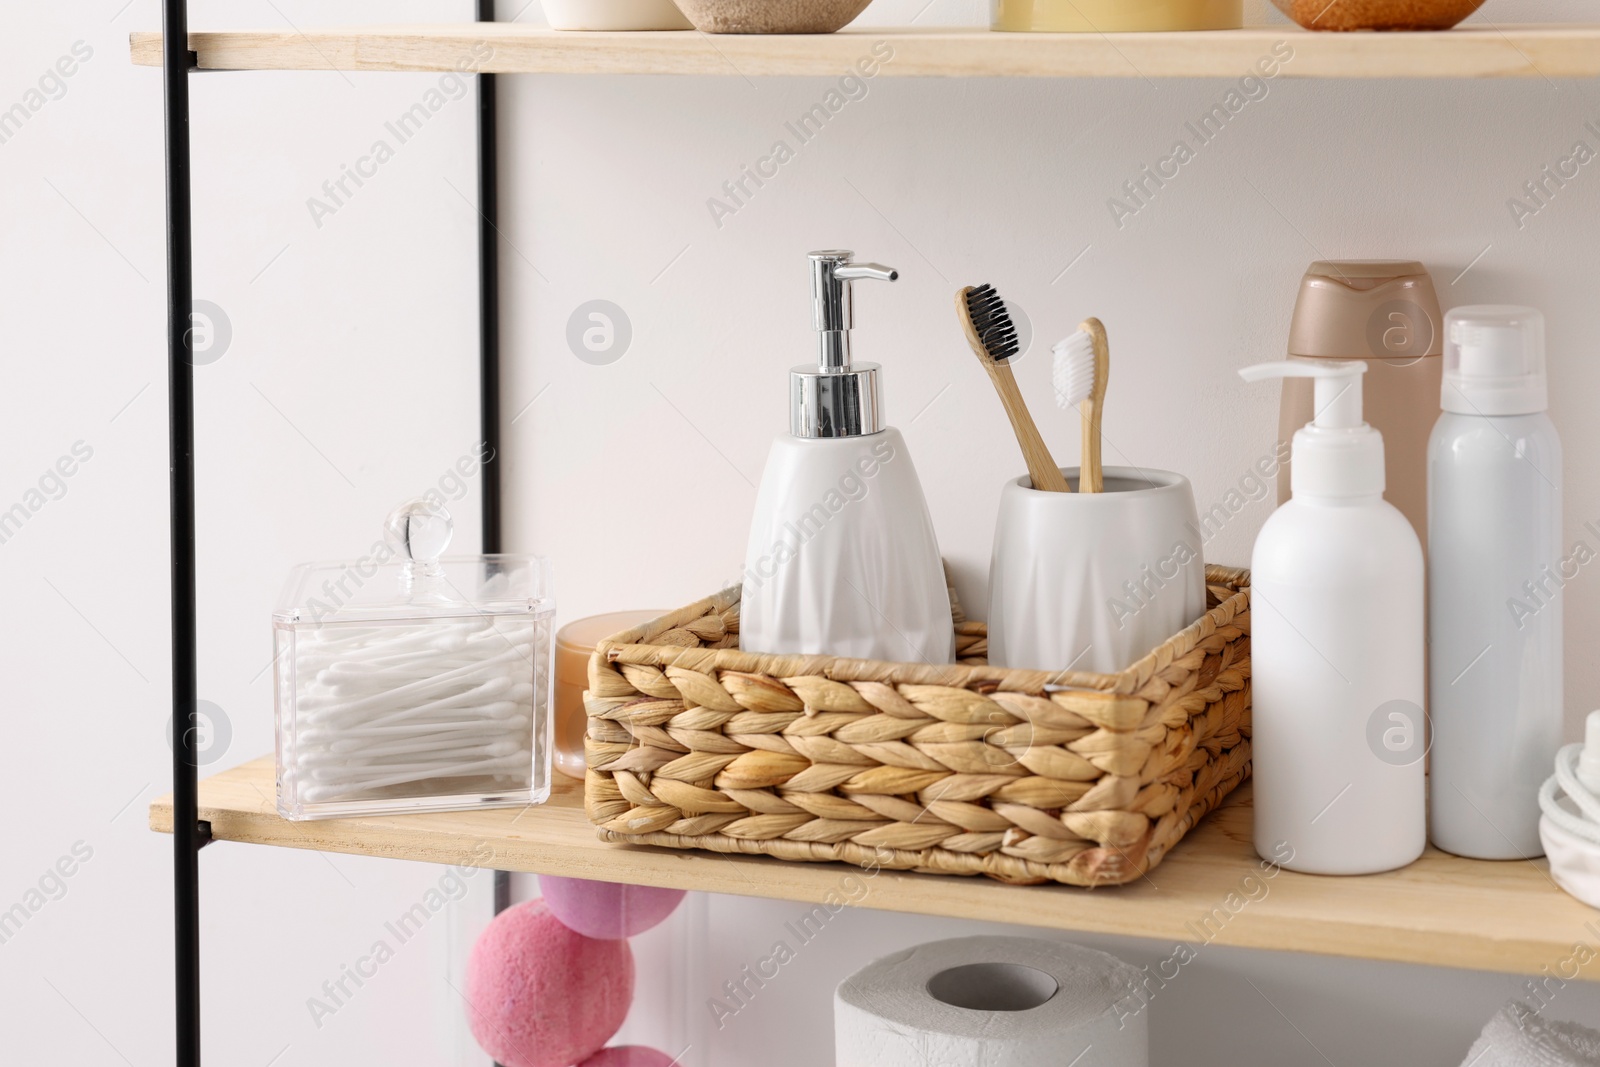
(604, 909)
(540, 995)
(1346, 15)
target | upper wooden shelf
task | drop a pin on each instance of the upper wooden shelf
(1442, 910)
(1482, 51)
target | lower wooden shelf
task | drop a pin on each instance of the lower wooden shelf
(1442, 910)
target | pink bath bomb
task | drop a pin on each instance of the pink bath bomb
(541, 995)
(629, 1056)
(607, 910)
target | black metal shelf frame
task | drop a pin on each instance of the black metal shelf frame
(189, 834)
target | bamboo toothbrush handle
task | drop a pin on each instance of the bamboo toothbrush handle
(1091, 474)
(1042, 468)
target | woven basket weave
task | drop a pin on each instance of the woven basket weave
(950, 769)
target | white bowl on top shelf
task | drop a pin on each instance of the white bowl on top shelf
(614, 15)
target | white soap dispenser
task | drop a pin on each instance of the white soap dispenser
(1496, 572)
(842, 558)
(1338, 655)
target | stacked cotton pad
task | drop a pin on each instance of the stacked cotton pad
(417, 710)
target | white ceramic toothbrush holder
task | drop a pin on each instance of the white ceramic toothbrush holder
(1094, 581)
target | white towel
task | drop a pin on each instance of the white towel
(1518, 1037)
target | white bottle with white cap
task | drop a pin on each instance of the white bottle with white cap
(1496, 571)
(1338, 654)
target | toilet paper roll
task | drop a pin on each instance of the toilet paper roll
(992, 1002)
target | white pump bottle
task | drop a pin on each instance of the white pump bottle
(1338, 655)
(842, 559)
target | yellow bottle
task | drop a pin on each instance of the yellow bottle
(1114, 16)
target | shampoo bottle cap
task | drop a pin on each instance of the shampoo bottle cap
(1494, 361)
(835, 397)
(1336, 454)
(1365, 309)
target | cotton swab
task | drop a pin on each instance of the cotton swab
(333, 764)
(388, 706)
(377, 693)
(324, 792)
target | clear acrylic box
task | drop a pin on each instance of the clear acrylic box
(405, 682)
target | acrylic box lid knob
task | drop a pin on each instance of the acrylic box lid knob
(407, 576)
(420, 531)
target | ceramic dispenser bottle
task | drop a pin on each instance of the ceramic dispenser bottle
(1338, 659)
(1384, 313)
(842, 557)
(1496, 570)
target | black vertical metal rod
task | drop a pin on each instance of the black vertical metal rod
(186, 831)
(489, 338)
(489, 300)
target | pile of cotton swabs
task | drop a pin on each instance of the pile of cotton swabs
(385, 706)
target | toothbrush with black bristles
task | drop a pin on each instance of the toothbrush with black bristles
(993, 337)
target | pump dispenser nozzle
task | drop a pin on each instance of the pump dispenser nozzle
(1337, 402)
(835, 397)
(1494, 361)
(1336, 454)
(832, 306)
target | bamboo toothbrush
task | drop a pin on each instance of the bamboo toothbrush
(993, 338)
(1083, 363)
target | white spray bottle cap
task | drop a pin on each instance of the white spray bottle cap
(1336, 454)
(1494, 361)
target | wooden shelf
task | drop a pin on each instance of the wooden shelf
(1442, 910)
(1482, 51)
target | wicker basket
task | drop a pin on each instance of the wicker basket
(1024, 776)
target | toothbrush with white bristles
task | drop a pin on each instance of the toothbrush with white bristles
(1082, 365)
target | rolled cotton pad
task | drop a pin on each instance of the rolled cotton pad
(993, 1002)
(541, 995)
(605, 909)
(629, 1056)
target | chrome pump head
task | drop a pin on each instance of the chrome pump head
(835, 397)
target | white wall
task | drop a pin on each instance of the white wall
(349, 384)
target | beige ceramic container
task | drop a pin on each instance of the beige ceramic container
(771, 16)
